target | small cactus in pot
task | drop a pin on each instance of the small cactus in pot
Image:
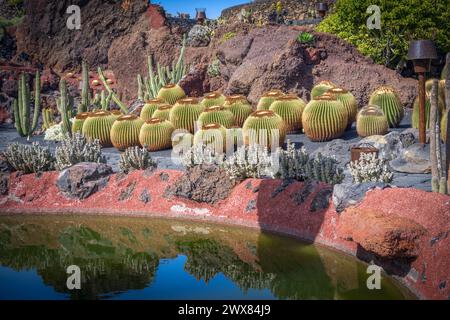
(290, 109)
(162, 112)
(184, 114)
(171, 93)
(217, 114)
(371, 121)
(125, 131)
(240, 108)
(213, 99)
(348, 101)
(149, 108)
(388, 100)
(266, 100)
(264, 127)
(156, 134)
(324, 118)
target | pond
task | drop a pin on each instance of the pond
(143, 258)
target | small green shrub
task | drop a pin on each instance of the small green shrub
(77, 149)
(29, 158)
(305, 37)
(401, 21)
(214, 68)
(227, 36)
(135, 158)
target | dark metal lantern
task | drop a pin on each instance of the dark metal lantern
(421, 52)
(322, 8)
(200, 15)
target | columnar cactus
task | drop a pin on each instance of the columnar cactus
(213, 99)
(290, 109)
(162, 112)
(77, 124)
(185, 113)
(240, 108)
(48, 118)
(65, 106)
(348, 101)
(371, 121)
(83, 106)
(387, 99)
(21, 107)
(98, 126)
(125, 131)
(171, 93)
(264, 127)
(212, 134)
(415, 113)
(266, 100)
(156, 134)
(321, 88)
(149, 108)
(216, 114)
(324, 118)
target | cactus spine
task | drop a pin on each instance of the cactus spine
(185, 113)
(290, 109)
(149, 108)
(266, 100)
(21, 107)
(324, 118)
(264, 127)
(156, 134)
(213, 99)
(163, 112)
(125, 131)
(320, 88)
(216, 114)
(212, 134)
(171, 93)
(65, 105)
(348, 101)
(387, 99)
(240, 108)
(371, 121)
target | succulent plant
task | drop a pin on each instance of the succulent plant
(25, 125)
(212, 134)
(135, 158)
(185, 113)
(65, 105)
(213, 99)
(77, 124)
(156, 134)
(264, 127)
(171, 93)
(415, 113)
(290, 109)
(98, 126)
(371, 121)
(149, 108)
(348, 101)
(320, 88)
(240, 108)
(48, 119)
(216, 114)
(162, 112)
(29, 158)
(324, 118)
(125, 131)
(266, 100)
(387, 99)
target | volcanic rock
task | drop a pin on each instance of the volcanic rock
(414, 159)
(349, 193)
(83, 179)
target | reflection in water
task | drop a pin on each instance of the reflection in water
(140, 258)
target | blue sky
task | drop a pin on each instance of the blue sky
(213, 7)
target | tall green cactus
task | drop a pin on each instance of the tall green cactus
(83, 106)
(114, 97)
(149, 87)
(21, 106)
(65, 105)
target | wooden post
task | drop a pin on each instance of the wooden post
(422, 128)
(447, 130)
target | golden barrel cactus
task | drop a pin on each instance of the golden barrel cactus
(320, 88)
(125, 131)
(240, 108)
(156, 134)
(77, 124)
(290, 109)
(171, 93)
(149, 108)
(162, 112)
(213, 99)
(324, 118)
(266, 100)
(388, 100)
(371, 121)
(264, 127)
(98, 126)
(348, 101)
(216, 114)
(184, 114)
(212, 134)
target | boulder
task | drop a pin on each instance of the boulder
(202, 183)
(386, 235)
(83, 179)
(338, 149)
(389, 145)
(349, 194)
(414, 159)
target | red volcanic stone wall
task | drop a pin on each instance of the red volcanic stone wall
(156, 16)
(299, 209)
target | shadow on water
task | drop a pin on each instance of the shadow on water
(147, 259)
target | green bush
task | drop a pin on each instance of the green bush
(401, 21)
(305, 37)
